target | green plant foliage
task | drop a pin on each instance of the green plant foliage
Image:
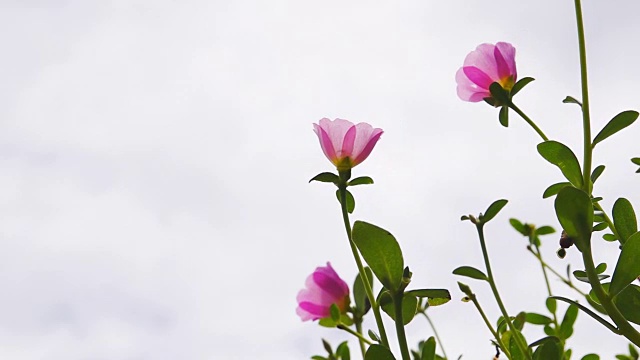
(471, 272)
(552, 305)
(409, 306)
(569, 319)
(624, 219)
(561, 156)
(359, 294)
(493, 210)
(434, 297)
(581, 275)
(519, 226)
(362, 180)
(382, 253)
(595, 174)
(571, 100)
(520, 85)
(378, 352)
(429, 349)
(628, 302)
(554, 189)
(628, 266)
(591, 357)
(503, 116)
(549, 348)
(602, 267)
(575, 213)
(351, 201)
(616, 124)
(342, 351)
(537, 319)
(326, 177)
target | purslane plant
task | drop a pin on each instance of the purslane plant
(488, 73)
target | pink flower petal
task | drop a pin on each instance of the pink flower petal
(374, 136)
(325, 143)
(484, 59)
(347, 144)
(467, 90)
(509, 54)
(478, 77)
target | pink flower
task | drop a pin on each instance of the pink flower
(345, 144)
(323, 288)
(485, 65)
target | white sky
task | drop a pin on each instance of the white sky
(154, 201)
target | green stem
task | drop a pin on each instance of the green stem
(402, 337)
(557, 274)
(523, 347)
(435, 332)
(505, 350)
(361, 338)
(624, 327)
(586, 122)
(546, 280)
(375, 307)
(529, 121)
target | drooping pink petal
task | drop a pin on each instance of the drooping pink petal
(304, 315)
(503, 68)
(478, 77)
(509, 54)
(325, 143)
(318, 311)
(328, 280)
(484, 59)
(371, 143)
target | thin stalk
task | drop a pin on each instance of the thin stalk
(375, 307)
(546, 280)
(557, 274)
(435, 332)
(505, 350)
(361, 338)
(402, 337)
(608, 221)
(523, 347)
(529, 121)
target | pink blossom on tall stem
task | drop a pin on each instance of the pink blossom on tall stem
(323, 288)
(485, 65)
(345, 144)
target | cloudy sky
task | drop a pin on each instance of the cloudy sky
(155, 158)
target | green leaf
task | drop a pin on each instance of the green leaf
(616, 124)
(537, 319)
(378, 352)
(588, 311)
(471, 272)
(409, 306)
(554, 189)
(609, 237)
(373, 336)
(327, 322)
(362, 180)
(382, 253)
(552, 305)
(549, 348)
(545, 230)
(519, 226)
(566, 327)
(595, 174)
(571, 100)
(624, 219)
(503, 116)
(602, 267)
(343, 351)
(628, 266)
(335, 312)
(628, 302)
(326, 177)
(633, 352)
(561, 156)
(581, 275)
(429, 349)
(520, 85)
(499, 93)
(360, 295)
(516, 353)
(434, 297)
(465, 289)
(575, 213)
(591, 357)
(493, 210)
(351, 202)
(327, 347)
(318, 357)
(600, 227)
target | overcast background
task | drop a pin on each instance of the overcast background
(155, 155)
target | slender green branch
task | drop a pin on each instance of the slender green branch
(523, 347)
(558, 275)
(529, 121)
(608, 221)
(538, 255)
(361, 338)
(423, 311)
(495, 334)
(375, 307)
(402, 337)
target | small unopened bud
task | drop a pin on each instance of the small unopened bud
(561, 253)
